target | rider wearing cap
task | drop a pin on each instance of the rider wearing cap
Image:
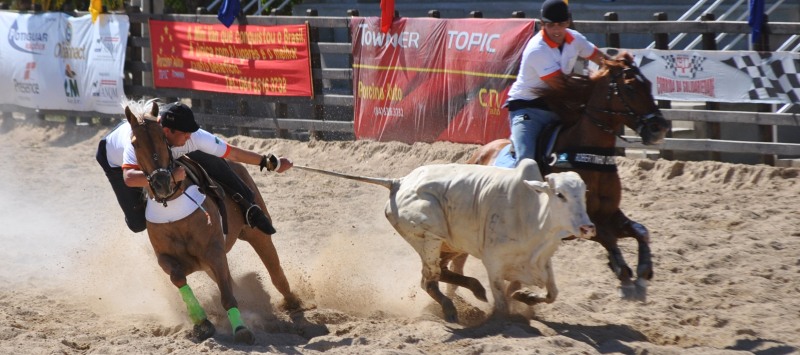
(117, 157)
(548, 57)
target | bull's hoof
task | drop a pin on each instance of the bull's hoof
(242, 335)
(203, 331)
(479, 292)
(449, 310)
(527, 297)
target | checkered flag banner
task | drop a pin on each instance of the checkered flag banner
(694, 61)
(722, 76)
(773, 78)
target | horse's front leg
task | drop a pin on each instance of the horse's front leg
(203, 329)
(218, 265)
(607, 236)
(266, 251)
(644, 268)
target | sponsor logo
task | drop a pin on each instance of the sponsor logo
(684, 65)
(372, 92)
(71, 85)
(105, 88)
(29, 67)
(26, 42)
(65, 50)
(403, 39)
(106, 47)
(470, 41)
(491, 100)
(27, 85)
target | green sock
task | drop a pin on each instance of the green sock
(235, 318)
(196, 312)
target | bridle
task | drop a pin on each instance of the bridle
(151, 177)
(642, 120)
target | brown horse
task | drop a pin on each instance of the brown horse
(593, 111)
(196, 242)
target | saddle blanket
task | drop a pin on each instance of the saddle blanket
(177, 209)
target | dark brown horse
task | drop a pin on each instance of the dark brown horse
(593, 111)
(196, 242)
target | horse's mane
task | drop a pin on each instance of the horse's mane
(140, 108)
(568, 101)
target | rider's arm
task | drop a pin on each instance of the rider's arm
(249, 157)
(598, 56)
(136, 178)
(556, 81)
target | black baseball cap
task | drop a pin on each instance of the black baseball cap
(178, 116)
(555, 11)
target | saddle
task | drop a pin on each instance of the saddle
(544, 147)
(589, 158)
(198, 176)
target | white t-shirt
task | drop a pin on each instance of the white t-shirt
(542, 59)
(116, 141)
(201, 140)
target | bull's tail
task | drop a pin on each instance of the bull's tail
(387, 183)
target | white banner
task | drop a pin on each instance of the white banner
(53, 61)
(722, 76)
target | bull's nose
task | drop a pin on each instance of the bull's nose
(587, 231)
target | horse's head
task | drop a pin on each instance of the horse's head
(152, 151)
(628, 95)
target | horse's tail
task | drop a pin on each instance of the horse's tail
(387, 183)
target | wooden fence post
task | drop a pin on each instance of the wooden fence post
(662, 42)
(612, 39)
(318, 111)
(713, 129)
(765, 132)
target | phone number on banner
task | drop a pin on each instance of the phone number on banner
(275, 84)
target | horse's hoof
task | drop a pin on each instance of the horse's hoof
(645, 271)
(243, 335)
(641, 289)
(203, 330)
(291, 303)
(449, 310)
(628, 292)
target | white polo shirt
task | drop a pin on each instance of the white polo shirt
(542, 59)
(200, 140)
(116, 141)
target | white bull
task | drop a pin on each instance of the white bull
(509, 218)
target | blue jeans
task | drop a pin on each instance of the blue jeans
(526, 124)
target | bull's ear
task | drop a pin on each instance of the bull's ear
(538, 186)
(131, 118)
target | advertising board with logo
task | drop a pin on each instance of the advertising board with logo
(722, 76)
(58, 62)
(251, 60)
(435, 79)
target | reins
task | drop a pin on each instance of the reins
(613, 91)
(170, 166)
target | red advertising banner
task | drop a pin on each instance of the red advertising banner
(245, 59)
(435, 79)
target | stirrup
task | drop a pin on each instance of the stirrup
(247, 214)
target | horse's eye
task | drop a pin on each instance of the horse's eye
(561, 196)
